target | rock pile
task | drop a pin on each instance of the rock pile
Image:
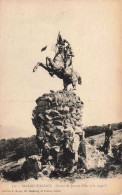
(60, 138)
(117, 152)
(57, 119)
(31, 167)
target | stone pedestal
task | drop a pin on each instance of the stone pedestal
(60, 138)
(57, 119)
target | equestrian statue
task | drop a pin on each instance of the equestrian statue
(61, 65)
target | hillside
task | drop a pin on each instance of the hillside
(98, 140)
(95, 130)
(111, 169)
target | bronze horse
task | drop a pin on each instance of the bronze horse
(68, 75)
(61, 65)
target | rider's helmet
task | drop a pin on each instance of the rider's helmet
(60, 41)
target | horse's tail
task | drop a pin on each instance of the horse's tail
(79, 80)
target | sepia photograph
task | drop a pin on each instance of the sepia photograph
(60, 97)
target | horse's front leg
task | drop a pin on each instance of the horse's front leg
(35, 67)
(48, 62)
(49, 66)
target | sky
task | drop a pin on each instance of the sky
(93, 30)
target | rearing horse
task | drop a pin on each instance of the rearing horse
(61, 66)
(68, 75)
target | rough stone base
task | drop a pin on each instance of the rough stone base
(60, 138)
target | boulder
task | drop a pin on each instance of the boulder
(54, 113)
(31, 167)
(48, 170)
(90, 157)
